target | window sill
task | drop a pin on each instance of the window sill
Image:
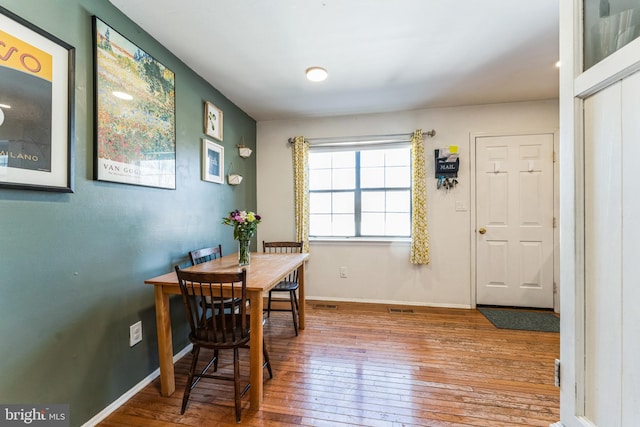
(360, 240)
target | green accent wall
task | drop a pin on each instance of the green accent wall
(73, 265)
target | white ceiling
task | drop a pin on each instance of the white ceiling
(382, 55)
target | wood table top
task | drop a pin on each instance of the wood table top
(264, 272)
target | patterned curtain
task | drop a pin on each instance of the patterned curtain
(419, 234)
(301, 190)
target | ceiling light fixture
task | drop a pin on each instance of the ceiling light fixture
(316, 74)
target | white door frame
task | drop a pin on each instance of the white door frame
(473, 226)
(575, 86)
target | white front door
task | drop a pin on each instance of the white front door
(514, 220)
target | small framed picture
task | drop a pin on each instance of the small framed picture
(212, 162)
(212, 121)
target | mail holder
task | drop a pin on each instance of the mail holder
(447, 166)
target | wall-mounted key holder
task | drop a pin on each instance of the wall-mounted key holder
(446, 183)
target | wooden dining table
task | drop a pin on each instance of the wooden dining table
(264, 272)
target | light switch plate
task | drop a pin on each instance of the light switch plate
(461, 206)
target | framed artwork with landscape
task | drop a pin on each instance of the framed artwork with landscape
(212, 161)
(36, 107)
(135, 120)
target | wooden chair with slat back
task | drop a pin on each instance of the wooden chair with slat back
(290, 283)
(198, 257)
(217, 329)
(206, 254)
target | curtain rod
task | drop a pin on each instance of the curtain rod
(373, 139)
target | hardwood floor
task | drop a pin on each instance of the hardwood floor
(360, 365)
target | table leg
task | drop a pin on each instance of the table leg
(301, 296)
(165, 344)
(256, 359)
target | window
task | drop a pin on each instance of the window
(608, 26)
(363, 192)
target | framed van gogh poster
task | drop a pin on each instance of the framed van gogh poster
(36, 107)
(135, 120)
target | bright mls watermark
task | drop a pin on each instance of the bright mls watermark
(34, 415)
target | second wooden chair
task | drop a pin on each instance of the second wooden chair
(205, 254)
(209, 254)
(290, 283)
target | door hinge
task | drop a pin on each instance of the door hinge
(554, 225)
(556, 373)
(554, 157)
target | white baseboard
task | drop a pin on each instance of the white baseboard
(383, 302)
(132, 392)
(558, 424)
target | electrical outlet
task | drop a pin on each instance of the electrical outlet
(135, 333)
(343, 272)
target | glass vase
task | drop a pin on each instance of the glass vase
(244, 256)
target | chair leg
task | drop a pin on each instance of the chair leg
(236, 383)
(215, 364)
(294, 310)
(295, 298)
(187, 390)
(267, 362)
(269, 305)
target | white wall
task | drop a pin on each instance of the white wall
(381, 272)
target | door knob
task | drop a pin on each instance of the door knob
(482, 230)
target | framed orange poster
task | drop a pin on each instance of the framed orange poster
(36, 107)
